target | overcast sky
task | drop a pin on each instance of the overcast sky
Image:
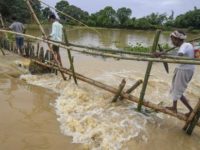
(139, 8)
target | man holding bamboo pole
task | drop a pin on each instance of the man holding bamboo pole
(56, 35)
(183, 73)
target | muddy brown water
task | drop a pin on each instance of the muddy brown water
(27, 120)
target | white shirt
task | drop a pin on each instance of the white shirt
(188, 51)
(57, 33)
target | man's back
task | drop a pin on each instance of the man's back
(17, 27)
(57, 31)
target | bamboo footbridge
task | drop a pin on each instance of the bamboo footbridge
(49, 60)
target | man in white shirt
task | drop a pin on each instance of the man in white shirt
(56, 35)
(183, 73)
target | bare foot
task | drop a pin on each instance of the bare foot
(172, 109)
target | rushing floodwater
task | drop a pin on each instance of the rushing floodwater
(86, 113)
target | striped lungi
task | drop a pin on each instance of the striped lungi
(180, 81)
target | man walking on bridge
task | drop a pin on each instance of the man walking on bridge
(18, 27)
(183, 72)
(56, 35)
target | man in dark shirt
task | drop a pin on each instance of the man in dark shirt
(18, 27)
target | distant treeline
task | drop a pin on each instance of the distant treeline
(107, 17)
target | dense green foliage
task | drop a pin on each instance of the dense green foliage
(106, 17)
(18, 8)
(72, 11)
(121, 18)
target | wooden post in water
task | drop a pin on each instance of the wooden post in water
(192, 115)
(41, 54)
(71, 68)
(192, 119)
(44, 34)
(37, 51)
(165, 64)
(69, 56)
(132, 88)
(193, 123)
(32, 51)
(121, 87)
(148, 71)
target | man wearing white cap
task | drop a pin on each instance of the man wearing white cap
(183, 73)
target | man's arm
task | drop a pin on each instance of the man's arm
(10, 27)
(52, 31)
(180, 54)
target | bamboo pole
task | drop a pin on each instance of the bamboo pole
(6, 36)
(70, 66)
(193, 123)
(191, 117)
(165, 64)
(2, 51)
(3, 25)
(148, 70)
(43, 32)
(114, 91)
(132, 88)
(61, 44)
(121, 87)
(122, 51)
(181, 60)
(168, 60)
(70, 57)
(38, 48)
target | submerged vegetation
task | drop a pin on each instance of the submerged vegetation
(106, 17)
(138, 47)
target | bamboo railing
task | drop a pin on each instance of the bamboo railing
(148, 70)
(109, 55)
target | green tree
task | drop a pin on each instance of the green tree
(123, 15)
(46, 12)
(170, 20)
(106, 17)
(189, 19)
(156, 19)
(72, 11)
(62, 6)
(143, 23)
(77, 14)
(19, 9)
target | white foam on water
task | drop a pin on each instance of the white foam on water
(87, 114)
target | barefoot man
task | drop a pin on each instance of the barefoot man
(183, 73)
